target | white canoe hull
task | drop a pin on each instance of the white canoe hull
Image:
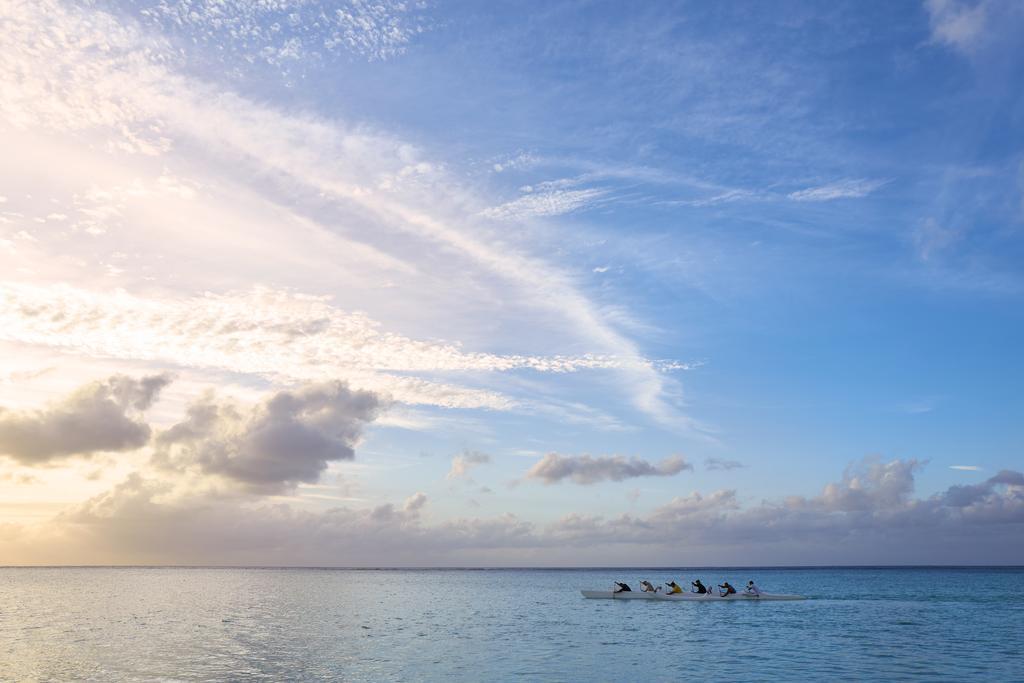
(688, 597)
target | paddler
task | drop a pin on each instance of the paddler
(698, 587)
(622, 588)
(648, 587)
(673, 588)
(727, 589)
(751, 589)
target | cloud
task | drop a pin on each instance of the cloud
(464, 462)
(415, 502)
(958, 24)
(517, 162)
(727, 197)
(722, 464)
(585, 469)
(871, 484)
(842, 189)
(982, 495)
(289, 32)
(133, 98)
(965, 468)
(549, 203)
(930, 238)
(978, 29)
(101, 416)
(289, 438)
(868, 517)
(281, 335)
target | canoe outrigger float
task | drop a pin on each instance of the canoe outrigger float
(687, 597)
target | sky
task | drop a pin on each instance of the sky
(404, 283)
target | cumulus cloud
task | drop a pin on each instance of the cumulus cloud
(464, 462)
(289, 438)
(868, 517)
(871, 485)
(101, 416)
(415, 502)
(586, 469)
(842, 189)
(722, 464)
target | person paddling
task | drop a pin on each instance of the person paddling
(698, 587)
(622, 588)
(648, 587)
(727, 589)
(673, 588)
(751, 589)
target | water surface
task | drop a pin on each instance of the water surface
(125, 624)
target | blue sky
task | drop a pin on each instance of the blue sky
(577, 253)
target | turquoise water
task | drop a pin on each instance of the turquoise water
(475, 625)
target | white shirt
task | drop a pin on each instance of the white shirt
(753, 589)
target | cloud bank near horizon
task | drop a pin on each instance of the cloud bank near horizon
(868, 517)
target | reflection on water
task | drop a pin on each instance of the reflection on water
(303, 624)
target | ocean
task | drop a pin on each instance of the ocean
(211, 624)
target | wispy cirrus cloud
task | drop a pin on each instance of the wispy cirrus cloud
(842, 189)
(134, 101)
(722, 464)
(971, 27)
(554, 202)
(277, 334)
(931, 238)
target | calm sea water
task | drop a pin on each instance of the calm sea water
(491, 625)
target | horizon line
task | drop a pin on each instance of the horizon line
(509, 568)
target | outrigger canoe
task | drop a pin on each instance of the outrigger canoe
(687, 597)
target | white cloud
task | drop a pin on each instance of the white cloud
(279, 335)
(586, 469)
(959, 24)
(285, 32)
(842, 189)
(518, 162)
(464, 462)
(726, 197)
(965, 468)
(545, 203)
(129, 95)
